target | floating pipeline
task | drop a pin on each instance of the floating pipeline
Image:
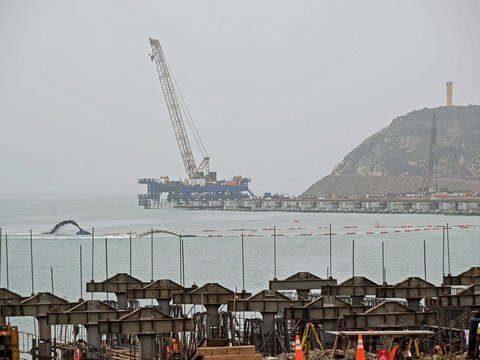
(68, 222)
(212, 232)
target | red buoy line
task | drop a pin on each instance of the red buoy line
(346, 233)
(303, 231)
(340, 230)
(335, 227)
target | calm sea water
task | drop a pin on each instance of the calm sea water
(214, 255)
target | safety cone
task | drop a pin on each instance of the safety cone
(298, 349)
(360, 353)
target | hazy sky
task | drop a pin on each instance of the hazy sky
(280, 91)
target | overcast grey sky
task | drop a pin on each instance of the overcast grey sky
(280, 91)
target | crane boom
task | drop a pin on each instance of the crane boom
(175, 113)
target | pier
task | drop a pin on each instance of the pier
(457, 206)
(122, 330)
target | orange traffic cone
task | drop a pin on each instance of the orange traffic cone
(360, 353)
(298, 349)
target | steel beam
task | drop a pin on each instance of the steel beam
(389, 320)
(144, 321)
(8, 297)
(322, 313)
(469, 297)
(302, 282)
(161, 290)
(118, 284)
(467, 278)
(38, 307)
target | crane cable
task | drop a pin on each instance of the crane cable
(184, 108)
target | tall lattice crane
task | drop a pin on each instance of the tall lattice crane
(176, 110)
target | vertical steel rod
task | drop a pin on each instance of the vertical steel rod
(106, 261)
(243, 265)
(425, 259)
(6, 261)
(443, 250)
(81, 274)
(448, 250)
(383, 262)
(151, 254)
(274, 252)
(353, 258)
(130, 254)
(93, 255)
(31, 261)
(183, 259)
(51, 279)
(330, 238)
(180, 257)
(93, 251)
(1, 239)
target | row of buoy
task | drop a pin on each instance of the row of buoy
(316, 234)
(393, 229)
(461, 226)
(384, 229)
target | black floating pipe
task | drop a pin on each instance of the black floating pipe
(68, 222)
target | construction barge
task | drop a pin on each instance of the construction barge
(410, 318)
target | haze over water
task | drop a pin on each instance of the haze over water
(214, 255)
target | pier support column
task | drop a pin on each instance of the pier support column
(45, 335)
(147, 348)
(164, 306)
(212, 311)
(93, 339)
(122, 305)
(357, 300)
(414, 304)
(122, 301)
(302, 294)
(268, 322)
